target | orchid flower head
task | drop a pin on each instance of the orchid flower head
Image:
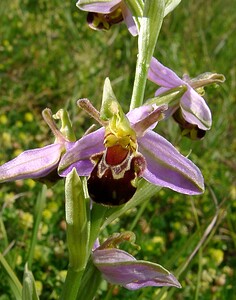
(191, 112)
(103, 14)
(125, 149)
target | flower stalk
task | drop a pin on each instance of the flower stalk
(40, 204)
(122, 164)
(151, 23)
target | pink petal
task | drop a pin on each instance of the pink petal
(167, 167)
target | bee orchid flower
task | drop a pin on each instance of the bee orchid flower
(191, 112)
(103, 14)
(126, 148)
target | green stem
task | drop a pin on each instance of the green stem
(199, 252)
(151, 22)
(139, 83)
(138, 215)
(72, 284)
(90, 282)
(199, 274)
(97, 219)
(40, 203)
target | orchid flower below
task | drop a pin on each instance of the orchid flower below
(191, 112)
(126, 148)
(103, 14)
(120, 267)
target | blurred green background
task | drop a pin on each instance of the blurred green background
(49, 57)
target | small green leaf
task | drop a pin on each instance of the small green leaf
(110, 105)
(170, 5)
(29, 288)
(77, 221)
(15, 284)
(170, 97)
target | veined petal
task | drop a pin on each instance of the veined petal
(79, 155)
(105, 6)
(83, 167)
(35, 163)
(167, 167)
(162, 75)
(146, 117)
(167, 280)
(119, 267)
(195, 109)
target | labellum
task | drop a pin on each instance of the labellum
(189, 130)
(113, 179)
(99, 21)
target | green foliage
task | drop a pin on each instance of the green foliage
(50, 58)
